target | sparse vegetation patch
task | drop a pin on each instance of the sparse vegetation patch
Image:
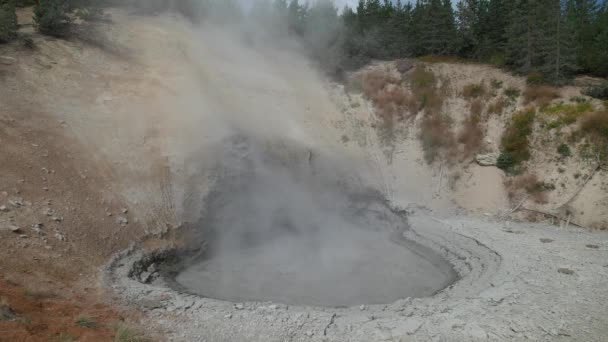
(565, 114)
(542, 95)
(8, 21)
(474, 90)
(515, 144)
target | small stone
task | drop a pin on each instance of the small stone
(125, 210)
(23, 236)
(309, 333)
(362, 308)
(228, 316)
(3, 209)
(592, 246)
(565, 271)
(545, 240)
(239, 306)
(16, 203)
(123, 221)
(59, 237)
(144, 277)
(48, 212)
(14, 229)
(57, 219)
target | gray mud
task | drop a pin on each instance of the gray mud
(289, 226)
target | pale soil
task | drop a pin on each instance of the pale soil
(132, 125)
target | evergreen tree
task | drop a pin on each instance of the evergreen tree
(51, 17)
(8, 21)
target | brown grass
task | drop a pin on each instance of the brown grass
(541, 95)
(392, 100)
(476, 108)
(471, 135)
(436, 136)
(529, 183)
(594, 126)
(498, 106)
(474, 90)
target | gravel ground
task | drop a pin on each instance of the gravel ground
(516, 284)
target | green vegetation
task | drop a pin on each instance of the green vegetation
(594, 127)
(512, 93)
(565, 114)
(498, 106)
(564, 150)
(66, 337)
(599, 91)
(496, 84)
(8, 21)
(123, 333)
(424, 87)
(51, 17)
(86, 322)
(515, 144)
(474, 90)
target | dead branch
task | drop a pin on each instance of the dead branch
(553, 216)
(580, 189)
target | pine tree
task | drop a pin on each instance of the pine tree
(8, 21)
(51, 17)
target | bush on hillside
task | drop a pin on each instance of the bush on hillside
(515, 139)
(8, 21)
(52, 18)
(599, 91)
(540, 94)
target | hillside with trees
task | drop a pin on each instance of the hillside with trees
(547, 40)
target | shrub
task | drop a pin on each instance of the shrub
(515, 139)
(92, 13)
(471, 136)
(532, 186)
(504, 161)
(435, 135)
(51, 17)
(86, 322)
(564, 150)
(540, 94)
(496, 84)
(535, 78)
(474, 90)
(498, 106)
(124, 333)
(512, 93)
(599, 91)
(596, 124)
(565, 114)
(8, 21)
(391, 99)
(424, 87)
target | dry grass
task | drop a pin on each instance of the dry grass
(530, 184)
(498, 106)
(436, 136)
(474, 90)
(476, 108)
(594, 126)
(541, 95)
(392, 100)
(596, 123)
(471, 135)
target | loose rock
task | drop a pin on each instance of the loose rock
(489, 159)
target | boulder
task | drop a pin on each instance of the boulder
(488, 159)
